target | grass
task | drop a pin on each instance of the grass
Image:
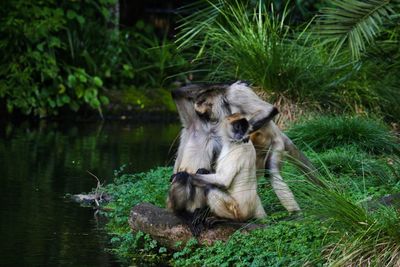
(332, 131)
(339, 226)
(254, 43)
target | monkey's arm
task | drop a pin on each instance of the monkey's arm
(185, 95)
(186, 111)
(222, 179)
(243, 100)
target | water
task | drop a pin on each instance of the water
(40, 163)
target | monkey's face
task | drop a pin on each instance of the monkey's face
(210, 106)
(203, 106)
(238, 127)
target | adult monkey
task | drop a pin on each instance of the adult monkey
(201, 109)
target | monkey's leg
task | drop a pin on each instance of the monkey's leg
(200, 215)
(187, 218)
(260, 212)
(273, 166)
(222, 205)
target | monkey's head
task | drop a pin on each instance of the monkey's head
(236, 128)
(211, 106)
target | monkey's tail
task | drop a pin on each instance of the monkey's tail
(301, 161)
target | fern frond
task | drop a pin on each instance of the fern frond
(355, 23)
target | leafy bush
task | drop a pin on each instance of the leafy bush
(64, 55)
(38, 75)
(250, 41)
(328, 132)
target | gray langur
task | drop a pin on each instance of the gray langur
(230, 193)
(235, 172)
(202, 108)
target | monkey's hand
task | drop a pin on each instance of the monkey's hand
(171, 179)
(180, 177)
(203, 171)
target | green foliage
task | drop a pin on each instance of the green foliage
(63, 56)
(37, 75)
(257, 45)
(131, 189)
(261, 43)
(355, 23)
(292, 243)
(365, 231)
(365, 236)
(127, 191)
(367, 34)
(327, 132)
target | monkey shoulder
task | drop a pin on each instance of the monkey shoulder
(240, 155)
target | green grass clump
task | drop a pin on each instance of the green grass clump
(354, 165)
(327, 132)
(252, 42)
(367, 237)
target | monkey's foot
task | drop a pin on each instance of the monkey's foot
(212, 221)
(200, 215)
(294, 216)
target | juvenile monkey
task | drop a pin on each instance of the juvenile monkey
(203, 107)
(235, 172)
(231, 192)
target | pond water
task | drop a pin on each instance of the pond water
(41, 163)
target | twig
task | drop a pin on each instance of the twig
(98, 193)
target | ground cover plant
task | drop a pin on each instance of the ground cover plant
(341, 224)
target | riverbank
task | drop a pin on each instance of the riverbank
(358, 159)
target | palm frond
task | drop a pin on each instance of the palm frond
(355, 23)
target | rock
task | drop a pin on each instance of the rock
(168, 229)
(391, 200)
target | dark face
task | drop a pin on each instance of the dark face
(203, 107)
(239, 128)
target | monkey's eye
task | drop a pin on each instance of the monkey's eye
(200, 102)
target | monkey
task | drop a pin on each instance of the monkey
(235, 172)
(199, 142)
(230, 193)
(202, 108)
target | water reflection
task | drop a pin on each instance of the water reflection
(39, 164)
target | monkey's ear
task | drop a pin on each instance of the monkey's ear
(259, 120)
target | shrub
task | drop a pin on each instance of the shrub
(41, 71)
